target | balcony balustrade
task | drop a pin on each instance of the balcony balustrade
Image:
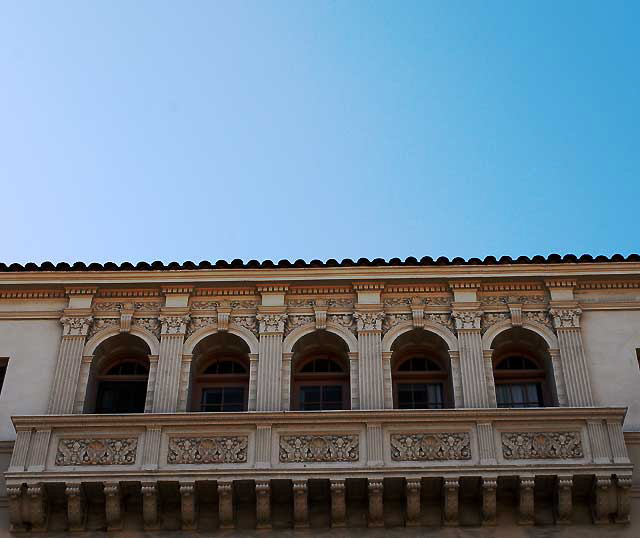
(334, 468)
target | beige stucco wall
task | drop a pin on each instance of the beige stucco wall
(611, 338)
(32, 348)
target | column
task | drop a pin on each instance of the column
(450, 492)
(113, 506)
(564, 500)
(150, 506)
(263, 505)
(371, 372)
(38, 509)
(269, 392)
(376, 506)
(188, 505)
(574, 361)
(472, 369)
(253, 381)
(225, 504)
(489, 506)
(525, 501)
(67, 372)
(600, 505)
(165, 398)
(388, 379)
(15, 497)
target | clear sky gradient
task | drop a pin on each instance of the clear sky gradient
(307, 129)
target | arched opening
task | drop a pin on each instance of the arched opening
(118, 376)
(421, 372)
(522, 370)
(220, 374)
(320, 373)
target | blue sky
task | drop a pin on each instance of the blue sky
(308, 129)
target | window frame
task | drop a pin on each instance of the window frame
(204, 381)
(512, 377)
(104, 377)
(420, 377)
(320, 379)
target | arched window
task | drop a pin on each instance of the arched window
(419, 383)
(223, 385)
(122, 387)
(321, 383)
(519, 382)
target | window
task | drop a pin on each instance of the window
(321, 383)
(519, 382)
(419, 383)
(122, 388)
(3, 371)
(222, 386)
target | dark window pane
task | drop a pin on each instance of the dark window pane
(3, 373)
(121, 396)
(519, 395)
(420, 396)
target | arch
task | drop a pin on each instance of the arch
(429, 326)
(538, 328)
(97, 339)
(338, 330)
(241, 332)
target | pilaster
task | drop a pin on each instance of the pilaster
(472, 362)
(269, 388)
(75, 327)
(371, 373)
(167, 387)
(566, 321)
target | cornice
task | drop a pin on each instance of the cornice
(80, 290)
(6, 447)
(368, 286)
(608, 284)
(209, 292)
(32, 294)
(511, 286)
(32, 314)
(272, 288)
(126, 293)
(387, 273)
(179, 290)
(417, 288)
(320, 290)
(464, 284)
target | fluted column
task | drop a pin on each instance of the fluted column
(574, 361)
(269, 391)
(67, 372)
(165, 398)
(472, 368)
(371, 371)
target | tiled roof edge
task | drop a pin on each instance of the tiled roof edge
(286, 264)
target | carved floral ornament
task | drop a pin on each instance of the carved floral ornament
(75, 326)
(96, 451)
(298, 320)
(430, 446)
(369, 321)
(541, 445)
(565, 318)
(200, 450)
(150, 324)
(272, 323)
(174, 324)
(467, 319)
(248, 322)
(319, 448)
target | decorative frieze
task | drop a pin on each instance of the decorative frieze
(490, 300)
(101, 324)
(204, 450)
(440, 319)
(538, 316)
(298, 320)
(198, 323)
(541, 445)
(491, 318)
(345, 320)
(430, 446)
(149, 324)
(391, 320)
(97, 451)
(248, 322)
(319, 448)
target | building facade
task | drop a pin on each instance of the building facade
(496, 397)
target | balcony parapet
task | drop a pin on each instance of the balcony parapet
(451, 445)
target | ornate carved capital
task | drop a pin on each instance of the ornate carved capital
(565, 318)
(272, 323)
(72, 326)
(467, 319)
(369, 321)
(174, 324)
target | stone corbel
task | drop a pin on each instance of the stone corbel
(76, 507)
(564, 500)
(526, 501)
(600, 505)
(38, 513)
(150, 506)
(413, 488)
(263, 505)
(126, 318)
(320, 317)
(188, 507)
(300, 504)
(450, 489)
(516, 314)
(113, 506)
(376, 511)
(623, 499)
(225, 504)
(338, 504)
(417, 312)
(489, 507)
(15, 495)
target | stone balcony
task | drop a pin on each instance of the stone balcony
(295, 469)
